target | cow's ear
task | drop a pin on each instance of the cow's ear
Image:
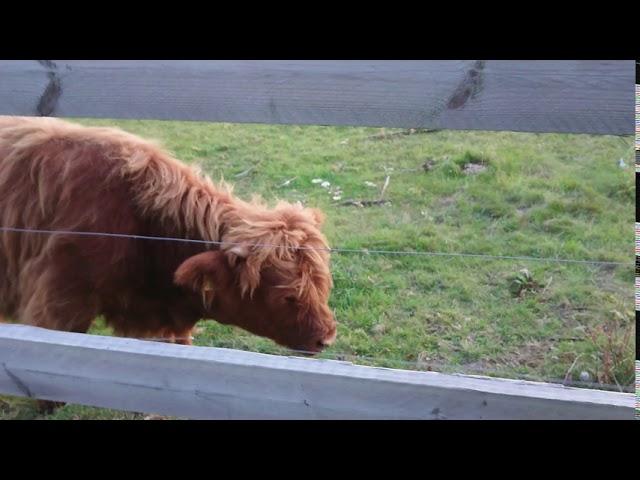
(201, 273)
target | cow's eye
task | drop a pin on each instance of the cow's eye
(290, 299)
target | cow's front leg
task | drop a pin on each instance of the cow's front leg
(153, 319)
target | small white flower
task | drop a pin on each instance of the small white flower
(337, 197)
(317, 180)
(370, 184)
(325, 184)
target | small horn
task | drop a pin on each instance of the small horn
(240, 250)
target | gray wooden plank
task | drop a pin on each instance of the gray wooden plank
(536, 96)
(214, 383)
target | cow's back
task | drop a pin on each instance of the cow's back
(53, 181)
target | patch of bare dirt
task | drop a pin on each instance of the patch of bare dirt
(473, 168)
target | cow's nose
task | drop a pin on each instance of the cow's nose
(328, 339)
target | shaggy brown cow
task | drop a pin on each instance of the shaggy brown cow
(270, 276)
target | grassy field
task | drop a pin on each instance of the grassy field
(495, 193)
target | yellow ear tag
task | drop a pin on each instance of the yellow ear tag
(207, 293)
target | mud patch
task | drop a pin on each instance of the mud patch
(473, 168)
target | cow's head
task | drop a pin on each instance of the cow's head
(271, 277)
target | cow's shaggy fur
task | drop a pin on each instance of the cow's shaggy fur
(271, 275)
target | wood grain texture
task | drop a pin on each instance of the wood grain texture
(532, 96)
(213, 383)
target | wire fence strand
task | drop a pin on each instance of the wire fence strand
(332, 355)
(365, 251)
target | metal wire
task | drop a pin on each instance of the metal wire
(332, 250)
(336, 355)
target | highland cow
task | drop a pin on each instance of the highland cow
(269, 274)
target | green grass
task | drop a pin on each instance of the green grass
(542, 195)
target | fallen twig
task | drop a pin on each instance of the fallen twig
(386, 184)
(364, 203)
(286, 182)
(617, 383)
(244, 173)
(371, 203)
(383, 135)
(566, 377)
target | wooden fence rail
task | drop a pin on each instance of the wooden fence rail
(532, 96)
(214, 383)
